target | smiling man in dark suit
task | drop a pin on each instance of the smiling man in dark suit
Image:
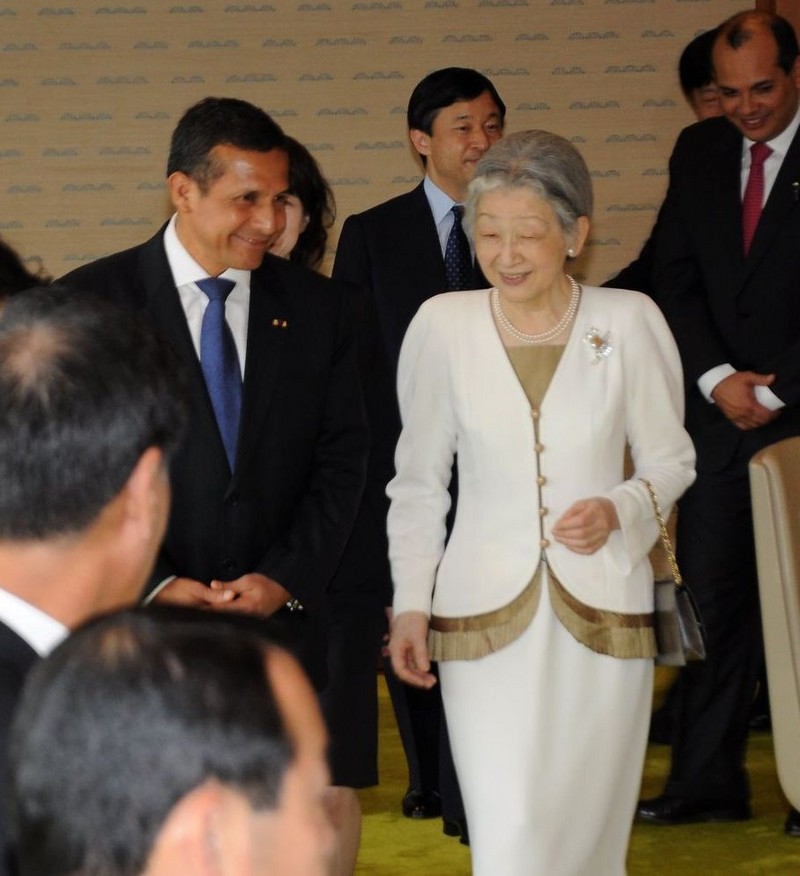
(267, 483)
(726, 274)
(397, 255)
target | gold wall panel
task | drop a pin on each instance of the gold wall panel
(90, 91)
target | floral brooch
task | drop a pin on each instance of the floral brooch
(598, 344)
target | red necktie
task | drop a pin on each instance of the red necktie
(754, 192)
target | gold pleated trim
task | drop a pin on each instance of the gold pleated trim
(468, 638)
(614, 633)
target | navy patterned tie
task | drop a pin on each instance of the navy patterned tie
(457, 255)
(220, 363)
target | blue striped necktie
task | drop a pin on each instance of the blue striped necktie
(220, 363)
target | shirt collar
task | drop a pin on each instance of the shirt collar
(780, 144)
(184, 268)
(441, 204)
(30, 623)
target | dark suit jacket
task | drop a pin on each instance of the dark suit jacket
(721, 305)
(391, 257)
(638, 275)
(392, 252)
(288, 508)
(16, 659)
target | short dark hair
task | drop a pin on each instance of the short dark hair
(85, 389)
(739, 29)
(443, 88)
(14, 273)
(218, 121)
(125, 718)
(308, 184)
(694, 65)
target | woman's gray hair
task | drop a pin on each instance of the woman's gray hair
(547, 164)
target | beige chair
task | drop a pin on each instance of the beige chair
(775, 487)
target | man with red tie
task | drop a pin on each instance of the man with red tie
(726, 272)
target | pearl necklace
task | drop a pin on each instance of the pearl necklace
(541, 337)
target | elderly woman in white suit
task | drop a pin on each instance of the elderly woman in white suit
(539, 605)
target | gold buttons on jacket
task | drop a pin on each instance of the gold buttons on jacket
(544, 543)
(538, 447)
(541, 480)
(543, 512)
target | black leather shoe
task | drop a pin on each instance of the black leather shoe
(760, 722)
(792, 824)
(421, 804)
(688, 810)
(456, 827)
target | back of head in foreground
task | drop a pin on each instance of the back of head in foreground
(85, 389)
(136, 716)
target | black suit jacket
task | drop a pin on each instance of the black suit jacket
(288, 508)
(16, 659)
(721, 305)
(392, 253)
(391, 257)
(638, 275)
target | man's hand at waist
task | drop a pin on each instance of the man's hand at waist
(735, 397)
(188, 591)
(254, 593)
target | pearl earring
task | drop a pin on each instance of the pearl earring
(571, 253)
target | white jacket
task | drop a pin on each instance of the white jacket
(459, 395)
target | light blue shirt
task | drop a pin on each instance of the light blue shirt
(441, 206)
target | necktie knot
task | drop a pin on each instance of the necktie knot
(216, 288)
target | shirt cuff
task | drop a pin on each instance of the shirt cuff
(765, 396)
(157, 589)
(707, 382)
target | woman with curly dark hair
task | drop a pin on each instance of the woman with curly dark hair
(310, 210)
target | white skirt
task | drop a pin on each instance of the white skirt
(549, 740)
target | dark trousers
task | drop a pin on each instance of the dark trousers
(423, 733)
(716, 554)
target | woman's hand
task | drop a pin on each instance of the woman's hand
(408, 648)
(585, 526)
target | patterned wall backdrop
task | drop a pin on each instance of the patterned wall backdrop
(90, 91)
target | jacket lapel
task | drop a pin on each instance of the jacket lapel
(163, 304)
(269, 324)
(783, 200)
(723, 204)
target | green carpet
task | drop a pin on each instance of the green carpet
(395, 846)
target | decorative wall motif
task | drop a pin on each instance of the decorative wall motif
(90, 91)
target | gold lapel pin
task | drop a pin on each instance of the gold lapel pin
(279, 323)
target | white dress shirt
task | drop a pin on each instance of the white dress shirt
(772, 165)
(38, 629)
(186, 272)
